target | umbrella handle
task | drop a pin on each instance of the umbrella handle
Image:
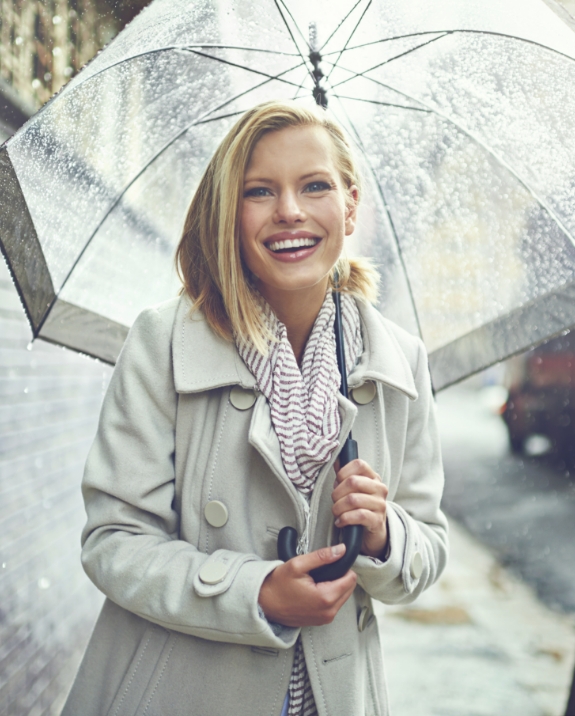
(352, 535)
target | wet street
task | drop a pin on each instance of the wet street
(523, 508)
(490, 639)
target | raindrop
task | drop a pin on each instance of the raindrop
(57, 51)
(18, 40)
(29, 346)
(36, 83)
(537, 445)
(48, 76)
(26, 390)
(44, 583)
(56, 20)
(3, 565)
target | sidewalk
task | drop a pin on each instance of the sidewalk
(478, 643)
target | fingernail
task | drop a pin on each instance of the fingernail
(337, 549)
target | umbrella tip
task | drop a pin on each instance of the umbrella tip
(313, 41)
(319, 92)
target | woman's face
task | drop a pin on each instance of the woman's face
(295, 211)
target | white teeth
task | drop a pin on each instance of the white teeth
(292, 244)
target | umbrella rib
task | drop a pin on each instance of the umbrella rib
(292, 37)
(334, 65)
(383, 104)
(297, 27)
(139, 174)
(455, 32)
(237, 47)
(301, 86)
(220, 116)
(542, 203)
(387, 39)
(243, 67)
(389, 218)
(340, 24)
(390, 59)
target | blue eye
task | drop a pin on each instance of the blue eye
(257, 191)
(315, 186)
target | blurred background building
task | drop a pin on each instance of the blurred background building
(45, 42)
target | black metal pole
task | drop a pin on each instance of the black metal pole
(319, 92)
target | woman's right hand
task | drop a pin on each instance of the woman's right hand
(289, 596)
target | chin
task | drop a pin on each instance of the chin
(294, 285)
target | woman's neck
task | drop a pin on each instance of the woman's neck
(297, 310)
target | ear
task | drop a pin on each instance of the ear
(352, 200)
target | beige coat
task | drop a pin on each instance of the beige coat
(181, 633)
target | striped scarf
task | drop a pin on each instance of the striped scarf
(305, 415)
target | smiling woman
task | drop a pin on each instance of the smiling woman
(246, 176)
(223, 424)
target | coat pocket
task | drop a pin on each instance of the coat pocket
(140, 671)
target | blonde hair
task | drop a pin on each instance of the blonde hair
(208, 256)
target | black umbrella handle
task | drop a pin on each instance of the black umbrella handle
(352, 535)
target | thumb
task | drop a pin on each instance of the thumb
(325, 555)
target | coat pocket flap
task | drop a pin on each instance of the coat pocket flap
(217, 573)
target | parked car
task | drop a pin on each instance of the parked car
(541, 396)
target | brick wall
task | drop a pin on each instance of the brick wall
(49, 405)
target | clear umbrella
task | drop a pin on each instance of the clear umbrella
(462, 113)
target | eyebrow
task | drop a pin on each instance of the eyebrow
(303, 177)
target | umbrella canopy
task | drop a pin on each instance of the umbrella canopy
(463, 116)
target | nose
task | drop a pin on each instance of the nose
(288, 208)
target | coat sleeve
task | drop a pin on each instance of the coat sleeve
(131, 550)
(417, 528)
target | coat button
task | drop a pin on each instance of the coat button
(365, 393)
(213, 572)
(364, 618)
(242, 398)
(216, 513)
(416, 567)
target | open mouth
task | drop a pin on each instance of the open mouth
(290, 245)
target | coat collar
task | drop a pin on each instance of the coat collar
(203, 360)
(383, 358)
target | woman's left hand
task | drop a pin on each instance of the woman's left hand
(360, 499)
